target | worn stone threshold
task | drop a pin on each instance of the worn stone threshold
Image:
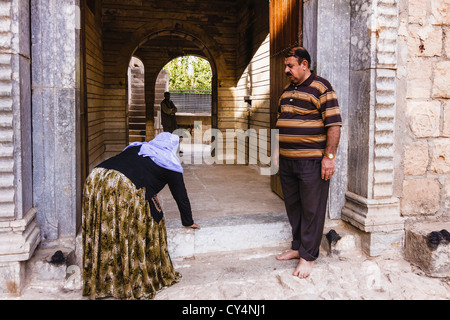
(231, 233)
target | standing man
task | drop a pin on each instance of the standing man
(309, 124)
(168, 110)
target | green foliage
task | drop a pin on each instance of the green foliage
(189, 74)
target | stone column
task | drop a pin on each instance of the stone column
(19, 234)
(326, 35)
(56, 134)
(371, 204)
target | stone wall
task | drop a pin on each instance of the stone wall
(424, 33)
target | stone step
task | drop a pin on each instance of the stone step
(138, 132)
(138, 101)
(136, 112)
(228, 233)
(132, 138)
(242, 232)
(136, 125)
(136, 138)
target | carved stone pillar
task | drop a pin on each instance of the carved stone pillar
(55, 26)
(371, 204)
(326, 25)
(19, 234)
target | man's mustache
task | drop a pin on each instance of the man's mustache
(288, 74)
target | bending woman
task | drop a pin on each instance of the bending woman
(124, 235)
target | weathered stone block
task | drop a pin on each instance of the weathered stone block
(440, 11)
(42, 269)
(440, 162)
(54, 268)
(424, 41)
(12, 278)
(415, 160)
(419, 84)
(420, 196)
(433, 260)
(441, 87)
(424, 117)
(416, 11)
(341, 242)
(375, 243)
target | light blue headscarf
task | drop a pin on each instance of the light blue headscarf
(162, 150)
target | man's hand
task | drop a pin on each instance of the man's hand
(328, 166)
(276, 156)
(276, 161)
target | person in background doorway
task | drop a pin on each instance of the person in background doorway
(125, 252)
(309, 124)
(168, 111)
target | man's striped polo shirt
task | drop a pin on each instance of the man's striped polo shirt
(305, 111)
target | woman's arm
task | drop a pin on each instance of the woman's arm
(179, 193)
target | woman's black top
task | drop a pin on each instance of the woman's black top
(143, 172)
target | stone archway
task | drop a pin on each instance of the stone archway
(155, 55)
(179, 40)
(156, 50)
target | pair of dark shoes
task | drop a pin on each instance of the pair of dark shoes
(436, 237)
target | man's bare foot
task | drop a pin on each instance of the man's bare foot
(303, 269)
(288, 255)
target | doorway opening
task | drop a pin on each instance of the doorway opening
(188, 79)
(224, 188)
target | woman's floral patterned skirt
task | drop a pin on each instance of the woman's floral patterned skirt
(125, 253)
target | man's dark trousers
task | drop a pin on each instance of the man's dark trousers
(305, 197)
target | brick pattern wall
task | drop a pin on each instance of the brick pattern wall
(255, 84)
(426, 158)
(95, 87)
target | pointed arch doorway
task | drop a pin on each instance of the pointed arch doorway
(155, 51)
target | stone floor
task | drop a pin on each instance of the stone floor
(257, 275)
(223, 190)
